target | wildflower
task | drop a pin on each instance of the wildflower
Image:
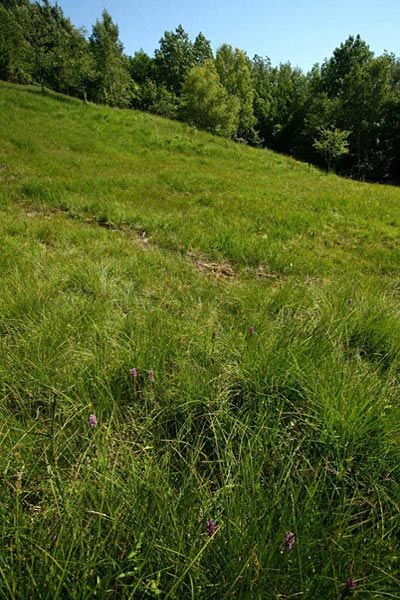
(133, 372)
(151, 376)
(92, 421)
(350, 585)
(210, 527)
(288, 542)
(251, 330)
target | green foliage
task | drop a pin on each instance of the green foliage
(361, 86)
(332, 144)
(174, 58)
(387, 157)
(141, 67)
(15, 56)
(157, 99)
(40, 44)
(353, 52)
(321, 112)
(287, 108)
(364, 96)
(263, 93)
(45, 38)
(233, 68)
(202, 50)
(112, 84)
(59, 51)
(206, 104)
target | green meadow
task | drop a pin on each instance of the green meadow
(232, 319)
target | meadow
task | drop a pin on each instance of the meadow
(199, 365)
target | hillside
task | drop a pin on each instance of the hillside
(232, 318)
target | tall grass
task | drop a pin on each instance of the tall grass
(257, 300)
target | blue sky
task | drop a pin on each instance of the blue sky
(302, 32)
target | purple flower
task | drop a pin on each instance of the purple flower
(251, 330)
(210, 527)
(133, 372)
(288, 541)
(350, 583)
(92, 421)
(151, 376)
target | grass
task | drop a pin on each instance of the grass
(129, 241)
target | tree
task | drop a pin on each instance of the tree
(365, 92)
(354, 51)
(45, 38)
(157, 99)
(15, 52)
(389, 147)
(173, 59)
(12, 4)
(38, 43)
(141, 67)
(205, 102)
(289, 90)
(202, 50)
(262, 94)
(320, 110)
(234, 70)
(332, 144)
(78, 70)
(113, 83)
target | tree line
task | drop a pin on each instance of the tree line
(343, 114)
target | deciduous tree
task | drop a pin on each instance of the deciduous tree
(113, 83)
(331, 144)
(16, 60)
(206, 103)
(173, 59)
(234, 70)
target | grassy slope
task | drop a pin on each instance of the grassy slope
(132, 241)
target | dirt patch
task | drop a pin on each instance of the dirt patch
(261, 272)
(224, 270)
(6, 175)
(138, 235)
(220, 270)
(44, 214)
